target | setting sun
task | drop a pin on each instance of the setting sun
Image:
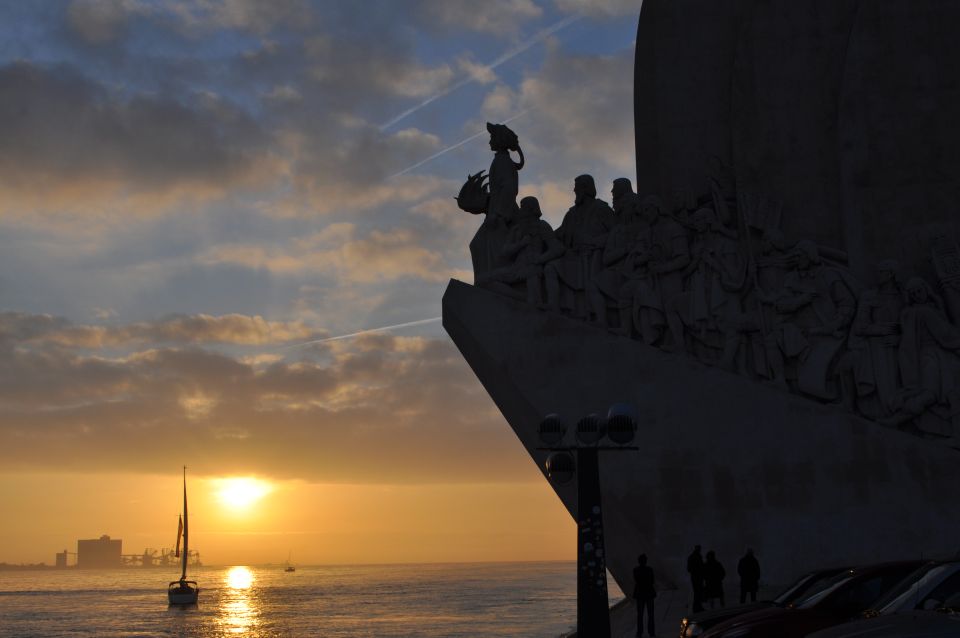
(241, 493)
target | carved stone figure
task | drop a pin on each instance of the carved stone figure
(874, 342)
(583, 233)
(769, 259)
(639, 294)
(929, 363)
(945, 255)
(816, 306)
(669, 246)
(713, 279)
(629, 227)
(497, 200)
(530, 244)
(723, 190)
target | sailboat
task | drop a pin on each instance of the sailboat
(289, 567)
(183, 591)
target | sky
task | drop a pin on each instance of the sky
(198, 197)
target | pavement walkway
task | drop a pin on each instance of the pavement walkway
(670, 608)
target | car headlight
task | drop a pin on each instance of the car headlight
(692, 630)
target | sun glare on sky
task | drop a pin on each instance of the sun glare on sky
(240, 493)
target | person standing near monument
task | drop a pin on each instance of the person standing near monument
(644, 592)
(583, 233)
(749, 570)
(713, 575)
(695, 569)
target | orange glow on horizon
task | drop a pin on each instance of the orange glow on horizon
(320, 523)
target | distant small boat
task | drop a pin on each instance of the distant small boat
(183, 591)
(289, 567)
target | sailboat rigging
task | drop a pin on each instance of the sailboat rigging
(183, 591)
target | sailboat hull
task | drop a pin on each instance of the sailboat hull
(183, 592)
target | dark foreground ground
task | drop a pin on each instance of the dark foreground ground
(671, 607)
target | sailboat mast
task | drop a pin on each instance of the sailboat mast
(186, 528)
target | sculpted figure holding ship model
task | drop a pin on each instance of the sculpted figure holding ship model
(496, 200)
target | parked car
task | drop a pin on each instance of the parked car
(844, 598)
(912, 624)
(934, 586)
(808, 584)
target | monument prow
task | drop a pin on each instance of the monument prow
(780, 298)
(723, 461)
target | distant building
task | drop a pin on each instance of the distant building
(99, 553)
(62, 558)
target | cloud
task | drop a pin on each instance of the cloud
(500, 103)
(343, 252)
(254, 16)
(498, 17)
(601, 8)
(70, 143)
(99, 22)
(579, 102)
(484, 74)
(178, 329)
(375, 409)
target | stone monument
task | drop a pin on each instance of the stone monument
(780, 299)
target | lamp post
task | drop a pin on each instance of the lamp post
(581, 460)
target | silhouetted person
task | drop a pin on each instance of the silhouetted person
(749, 570)
(644, 591)
(713, 575)
(695, 569)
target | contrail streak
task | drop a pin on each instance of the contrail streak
(418, 322)
(538, 37)
(455, 146)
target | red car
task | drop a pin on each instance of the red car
(850, 593)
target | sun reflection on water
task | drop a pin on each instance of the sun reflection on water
(239, 610)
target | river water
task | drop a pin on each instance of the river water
(480, 599)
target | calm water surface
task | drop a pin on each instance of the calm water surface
(492, 599)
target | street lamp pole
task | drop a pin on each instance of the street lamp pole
(593, 614)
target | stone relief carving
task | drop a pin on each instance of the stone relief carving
(716, 279)
(583, 233)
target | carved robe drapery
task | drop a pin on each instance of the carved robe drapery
(486, 248)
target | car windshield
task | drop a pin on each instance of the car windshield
(805, 586)
(909, 587)
(826, 589)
